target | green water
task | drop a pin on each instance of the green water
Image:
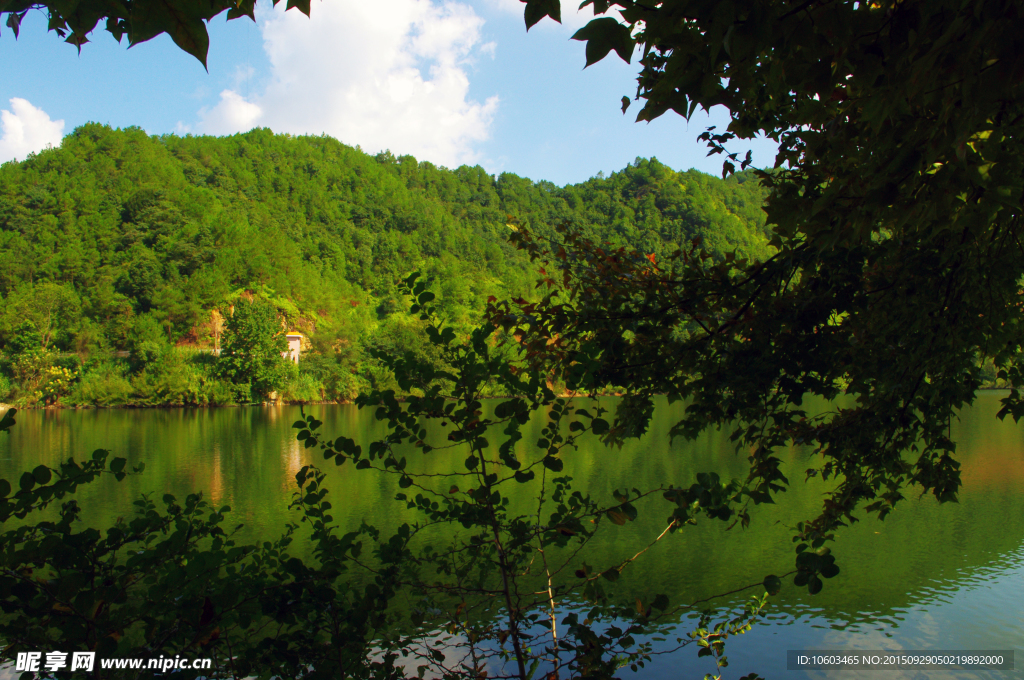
(929, 577)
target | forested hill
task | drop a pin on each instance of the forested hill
(119, 235)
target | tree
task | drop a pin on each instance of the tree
(895, 205)
(24, 338)
(53, 309)
(251, 356)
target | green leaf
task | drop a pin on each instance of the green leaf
(600, 426)
(183, 22)
(41, 474)
(14, 22)
(829, 570)
(814, 585)
(303, 5)
(5, 488)
(552, 463)
(7, 421)
(616, 516)
(603, 35)
(807, 561)
(538, 9)
(772, 584)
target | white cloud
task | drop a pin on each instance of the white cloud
(26, 130)
(379, 74)
(232, 114)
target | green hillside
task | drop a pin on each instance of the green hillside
(122, 242)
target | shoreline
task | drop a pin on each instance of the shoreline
(88, 407)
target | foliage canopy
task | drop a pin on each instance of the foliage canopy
(140, 20)
(895, 206)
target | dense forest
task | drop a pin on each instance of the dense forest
(123, 256)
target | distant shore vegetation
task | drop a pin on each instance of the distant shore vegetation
(123, 256)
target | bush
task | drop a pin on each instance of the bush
(331, 363)
(103, 385)
(303, 389)
(180, 378)
(42, 377)
(147, 343)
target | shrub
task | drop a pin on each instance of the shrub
(303, 389)
(103, 385)
(42, 377)
(180, 378)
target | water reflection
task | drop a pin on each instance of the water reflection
(928, 577)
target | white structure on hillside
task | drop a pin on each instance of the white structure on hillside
(294, 346)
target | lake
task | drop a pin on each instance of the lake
(930, 577)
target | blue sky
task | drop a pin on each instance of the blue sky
(448, 82)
